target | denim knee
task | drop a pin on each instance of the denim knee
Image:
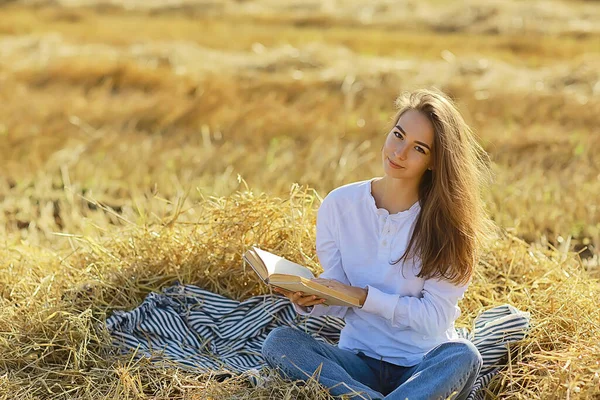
(277, 339)
(469, 353)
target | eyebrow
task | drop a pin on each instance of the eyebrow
(416, 141)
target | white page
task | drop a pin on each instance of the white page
(279, 265)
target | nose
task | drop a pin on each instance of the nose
(401, 151)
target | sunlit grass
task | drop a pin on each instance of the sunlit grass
(240, 33)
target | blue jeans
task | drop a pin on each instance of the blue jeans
(447, 370)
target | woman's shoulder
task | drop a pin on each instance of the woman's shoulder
(349, 192)
(346, 198)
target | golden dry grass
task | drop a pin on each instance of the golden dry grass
(124, 135)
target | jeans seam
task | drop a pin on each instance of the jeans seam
(461, 382)
(274, 364)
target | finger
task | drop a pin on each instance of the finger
(301, 299)
(309, 300)
(296, 297)
(290, 296)
(314, 302)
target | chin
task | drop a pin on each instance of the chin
(394, 173)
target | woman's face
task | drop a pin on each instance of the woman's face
(406, 153)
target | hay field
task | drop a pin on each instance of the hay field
(143, 142)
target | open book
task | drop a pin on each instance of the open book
(278, 271)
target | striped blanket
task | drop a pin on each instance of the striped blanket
(199, 330)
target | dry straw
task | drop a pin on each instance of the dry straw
(196, 116)
(52, 304)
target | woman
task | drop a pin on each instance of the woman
(406, 244)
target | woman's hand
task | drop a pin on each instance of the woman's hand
(300, 298)
(355, 291)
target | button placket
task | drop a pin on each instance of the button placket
(388, 232)
(385, 234)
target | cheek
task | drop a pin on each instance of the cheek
(386, 144)
(425, 163)
(420, 162)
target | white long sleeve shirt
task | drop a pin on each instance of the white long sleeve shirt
(403, 316)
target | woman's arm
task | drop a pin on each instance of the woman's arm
(431, 314)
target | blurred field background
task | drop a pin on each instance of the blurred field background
(143, 142)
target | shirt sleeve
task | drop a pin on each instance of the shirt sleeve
(431, 314)
(330, 258)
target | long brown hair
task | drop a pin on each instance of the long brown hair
(452, 222)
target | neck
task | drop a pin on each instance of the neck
(395, 195)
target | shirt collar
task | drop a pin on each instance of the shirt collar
(411, 212)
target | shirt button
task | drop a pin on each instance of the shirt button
(384, 243)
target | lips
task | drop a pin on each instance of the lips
(394, 165)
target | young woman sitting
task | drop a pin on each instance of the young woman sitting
(407, 244)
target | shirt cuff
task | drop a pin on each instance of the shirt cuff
(301, 310)
(380, 303)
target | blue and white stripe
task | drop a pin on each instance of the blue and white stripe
(198, 330)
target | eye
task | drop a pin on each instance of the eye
(397, 134)
(420, 149)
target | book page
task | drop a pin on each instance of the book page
(256, 264)
(279, 265)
